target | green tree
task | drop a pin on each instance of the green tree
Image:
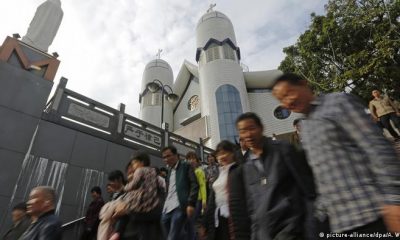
(354, 46)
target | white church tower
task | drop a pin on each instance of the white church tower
(157, 81)
(213, 94)
(223, 92)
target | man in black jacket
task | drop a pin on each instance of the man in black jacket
(21, 222)
(273, 188)
(41, 205)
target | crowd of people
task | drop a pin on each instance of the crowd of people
(36, 220)
(338, 174)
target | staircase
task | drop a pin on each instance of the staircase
(397, 147)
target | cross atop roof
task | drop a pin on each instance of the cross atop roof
(212, 5)
(158, 55)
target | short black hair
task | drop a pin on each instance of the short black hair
(163, 169)
(171, 148)
(292, 78)
(20, 206)
(297, 121)
(141, 157)
(116, 175)
(227, 146)
(250, 115)
(96, 189)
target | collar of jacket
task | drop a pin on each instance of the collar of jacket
(176, 165)
(314, 104)
(266, 146)
(51, 212)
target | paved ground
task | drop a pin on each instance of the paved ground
(396, 144)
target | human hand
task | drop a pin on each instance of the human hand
(391, 217)
(115, 236)
(189, 211)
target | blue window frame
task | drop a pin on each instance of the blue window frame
(229, 107)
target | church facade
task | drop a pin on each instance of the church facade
(213, 93)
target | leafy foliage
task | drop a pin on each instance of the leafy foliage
(354, 47)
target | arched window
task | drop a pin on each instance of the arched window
(229, 107)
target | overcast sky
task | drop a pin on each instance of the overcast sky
(104, 45)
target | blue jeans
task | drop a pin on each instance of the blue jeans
(173, 224)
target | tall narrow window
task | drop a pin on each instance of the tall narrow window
(152, 99)
(212, 53)
(229, 107)
(229, 53)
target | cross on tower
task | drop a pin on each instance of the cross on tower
(158, 55)
(212, 5)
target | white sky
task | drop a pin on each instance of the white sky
(104, 45)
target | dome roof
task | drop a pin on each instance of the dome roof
(157, 69)
(212, 14)
(158, 63)
(214, 25)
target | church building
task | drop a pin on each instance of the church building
(205, 99)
